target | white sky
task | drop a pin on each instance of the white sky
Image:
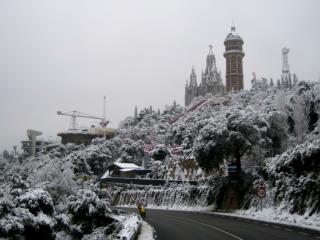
(65, 55)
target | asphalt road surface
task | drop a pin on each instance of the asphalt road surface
(199, 226)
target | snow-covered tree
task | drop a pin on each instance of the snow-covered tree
(160, 152)
(88, 211)
(300, 115)
(277, 132)
(6, 154)
(229, 137)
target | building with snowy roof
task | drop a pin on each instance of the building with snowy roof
(125, 170)
(85, 136)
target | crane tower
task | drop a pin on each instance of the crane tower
(75, 114)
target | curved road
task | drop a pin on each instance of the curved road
(201, 226)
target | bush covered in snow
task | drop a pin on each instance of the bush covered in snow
(36, 200)
(29, 215)
(52, 196)
(88, 211)
(32, 215)
(294, 178)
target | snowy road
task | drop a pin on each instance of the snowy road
(199, 226)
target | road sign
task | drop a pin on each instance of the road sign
(261, 192)
(148, 148)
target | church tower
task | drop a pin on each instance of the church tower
(234, 54)
(191, 90)
(211, 81)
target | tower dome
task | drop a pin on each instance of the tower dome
(233, 35)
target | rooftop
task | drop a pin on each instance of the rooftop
(127, 165)
(233, 35)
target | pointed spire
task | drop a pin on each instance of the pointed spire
(233, 28)
(193, 69)
(210, 49)
(193, 78)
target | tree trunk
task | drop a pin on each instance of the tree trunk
(238, 162)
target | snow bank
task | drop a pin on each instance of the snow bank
(129, 227)
(146, 232)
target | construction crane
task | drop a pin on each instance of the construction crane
(74, 114)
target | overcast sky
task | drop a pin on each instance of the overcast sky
(65, 55)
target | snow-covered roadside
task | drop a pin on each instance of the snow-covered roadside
(146, 232)
(276, 216)
(267, 214)
(130, 225)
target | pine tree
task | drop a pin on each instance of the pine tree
(301, 118)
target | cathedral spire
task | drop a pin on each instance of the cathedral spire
(193, 77)
(210, 81)
(193, 70)
(210, 49)
(211, 62)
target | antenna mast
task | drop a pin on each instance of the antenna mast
(104, 108)
(285, 64)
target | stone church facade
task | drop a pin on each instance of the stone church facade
(211, 81)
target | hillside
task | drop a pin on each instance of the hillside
(271, 134)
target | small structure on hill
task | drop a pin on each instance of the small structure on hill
(125, 170)
(33, 146)
(85, 136)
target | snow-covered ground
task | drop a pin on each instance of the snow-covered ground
(146, 232)
(129, 227)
